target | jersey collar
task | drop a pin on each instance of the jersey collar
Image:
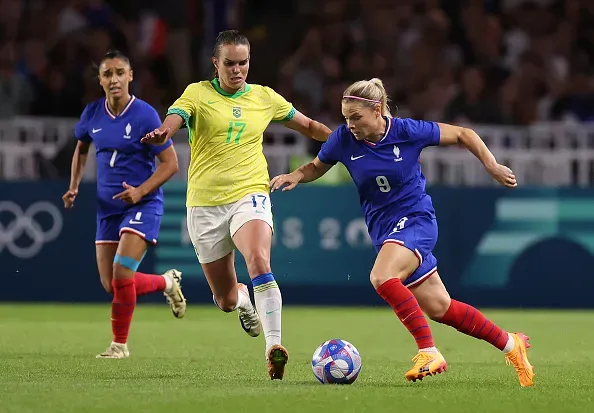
(388, 126)
(217, 86)
(111, 115)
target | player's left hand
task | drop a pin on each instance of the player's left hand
(503, 175)
(290, 180)
(130, 196)
(156, 137)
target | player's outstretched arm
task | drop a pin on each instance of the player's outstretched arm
(308, 127)
(305, 173)
(451, 135)
(79, 161)
(159, 136)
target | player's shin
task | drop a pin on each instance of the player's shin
(470, 321)
(150, 283)
(124, 297)
(269, 305)
(122, 308)
(406, 307)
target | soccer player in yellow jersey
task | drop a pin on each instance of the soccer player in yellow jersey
(228, 185)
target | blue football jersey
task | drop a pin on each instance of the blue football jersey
(120, 155)
(387, 173)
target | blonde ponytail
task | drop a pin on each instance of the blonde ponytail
(380, 85)
(369, 92)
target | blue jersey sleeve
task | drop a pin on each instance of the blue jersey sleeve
(330, 152)
(151, 122)
(81, 131)
(422, 132)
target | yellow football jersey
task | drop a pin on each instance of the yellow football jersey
(226, 139)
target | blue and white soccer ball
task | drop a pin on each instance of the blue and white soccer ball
(337, 362)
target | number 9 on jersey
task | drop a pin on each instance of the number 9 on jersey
(383, 184)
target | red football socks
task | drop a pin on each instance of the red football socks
(148, 283)
(468, 320)
(122, 308)
(406, 307)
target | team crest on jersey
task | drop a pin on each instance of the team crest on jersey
(128, 130)
(397, 154)
(237, 111)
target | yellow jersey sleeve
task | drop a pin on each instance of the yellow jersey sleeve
(186, 105)
(282, 110)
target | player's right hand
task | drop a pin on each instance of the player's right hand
(69, 197)
(503, 175)
(290, 180)
(156, 137)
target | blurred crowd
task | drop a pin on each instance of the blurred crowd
(49, 50)
(467, 61)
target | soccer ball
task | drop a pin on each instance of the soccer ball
(337, 362)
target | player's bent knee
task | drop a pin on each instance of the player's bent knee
(437, 307)
(378, 279)
(124, 267)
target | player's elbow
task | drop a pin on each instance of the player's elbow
(456, 135)
(465, 133)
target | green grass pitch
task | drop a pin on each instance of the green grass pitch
(206, 363)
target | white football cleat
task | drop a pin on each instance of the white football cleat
(175, 297)
(248, 318)
(115, 351)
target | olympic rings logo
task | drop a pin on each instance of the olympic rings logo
(25, 222)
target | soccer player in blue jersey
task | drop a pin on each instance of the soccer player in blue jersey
(129, 195)
(382, 156)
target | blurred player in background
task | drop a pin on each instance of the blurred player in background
(382, 156)
(228, 195)
(130, 198)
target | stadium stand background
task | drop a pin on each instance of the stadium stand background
(520, 72)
